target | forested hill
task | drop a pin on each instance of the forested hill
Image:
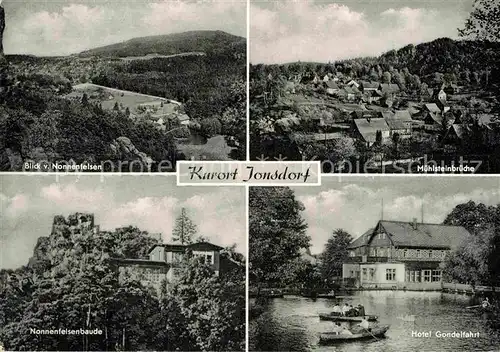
(171, 44)
(444, 55)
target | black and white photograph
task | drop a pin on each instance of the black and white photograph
(376, 264)
(121, 86)
(121, 265)
(389, 86)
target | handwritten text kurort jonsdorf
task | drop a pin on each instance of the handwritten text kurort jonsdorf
(249, 173)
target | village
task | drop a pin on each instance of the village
(389, 124)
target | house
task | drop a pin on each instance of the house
(451, 89)
(352, 83)
(331, 87)
(348, 93)
(326, 78)
(456, 134)
(164, 261)
(433, 122)
(399, 122)
(431, 107)
(389, 89)
(366, 129)
(439, 95)
(400, 254)
(368, 86)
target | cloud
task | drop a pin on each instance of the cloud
(356, 208)
(218, 214)
(308, 31)
(76, 27)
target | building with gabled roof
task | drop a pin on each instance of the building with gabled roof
(367, 128)
(399, 122)
(164, 262)
(402, 254)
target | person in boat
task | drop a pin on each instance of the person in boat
(365, 324)
(351, 312)
(337, 310)
(361, 310)
(345, 309)
(485, 303)
(337, 328)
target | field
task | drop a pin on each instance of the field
(125, 99)
(158, 56)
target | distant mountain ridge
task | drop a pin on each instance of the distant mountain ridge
(171, 44)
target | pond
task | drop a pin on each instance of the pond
(292, 323)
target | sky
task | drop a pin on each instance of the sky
(326, 30)
(355, 203)
(28, 205)
(62, 27)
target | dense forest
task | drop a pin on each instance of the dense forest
(39, 124)
(71, 283)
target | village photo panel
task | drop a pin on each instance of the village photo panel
(121, 86)
(376, 86)
(121, 263)
(380, 263)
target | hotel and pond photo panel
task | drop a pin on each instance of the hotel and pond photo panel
(390, 86)
(375, 264)
(99, 85)
(121, 265)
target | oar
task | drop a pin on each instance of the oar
(371, 333)
(470, 307)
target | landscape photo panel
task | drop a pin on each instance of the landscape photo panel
(376, 86)
(121, 85)
(121, 264)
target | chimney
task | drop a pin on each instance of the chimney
(414, 223)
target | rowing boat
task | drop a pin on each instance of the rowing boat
(323, 316)
(329, 337)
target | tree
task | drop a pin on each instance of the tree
(335, 253)
(184, 229)
(277, 234)
(127, 112)
(476, 260)
(211, 127)
(116, 107)
(483, 22)
(386, 78)
(85, 99)
(203, 311)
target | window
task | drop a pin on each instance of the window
(427, 276)
(430, 254)
(418, 253)
(405, 253)
(207, 258)
(417, 276)
(383, 235)
(390, 274)
(365, 273)
(436, 275)
(372, 274)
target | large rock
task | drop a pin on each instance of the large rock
(2, 28)
(124, 150)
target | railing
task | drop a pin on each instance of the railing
(372, 259)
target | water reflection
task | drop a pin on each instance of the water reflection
(292, 323)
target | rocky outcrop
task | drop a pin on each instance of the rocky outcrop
(2, 28)
(123, 150)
